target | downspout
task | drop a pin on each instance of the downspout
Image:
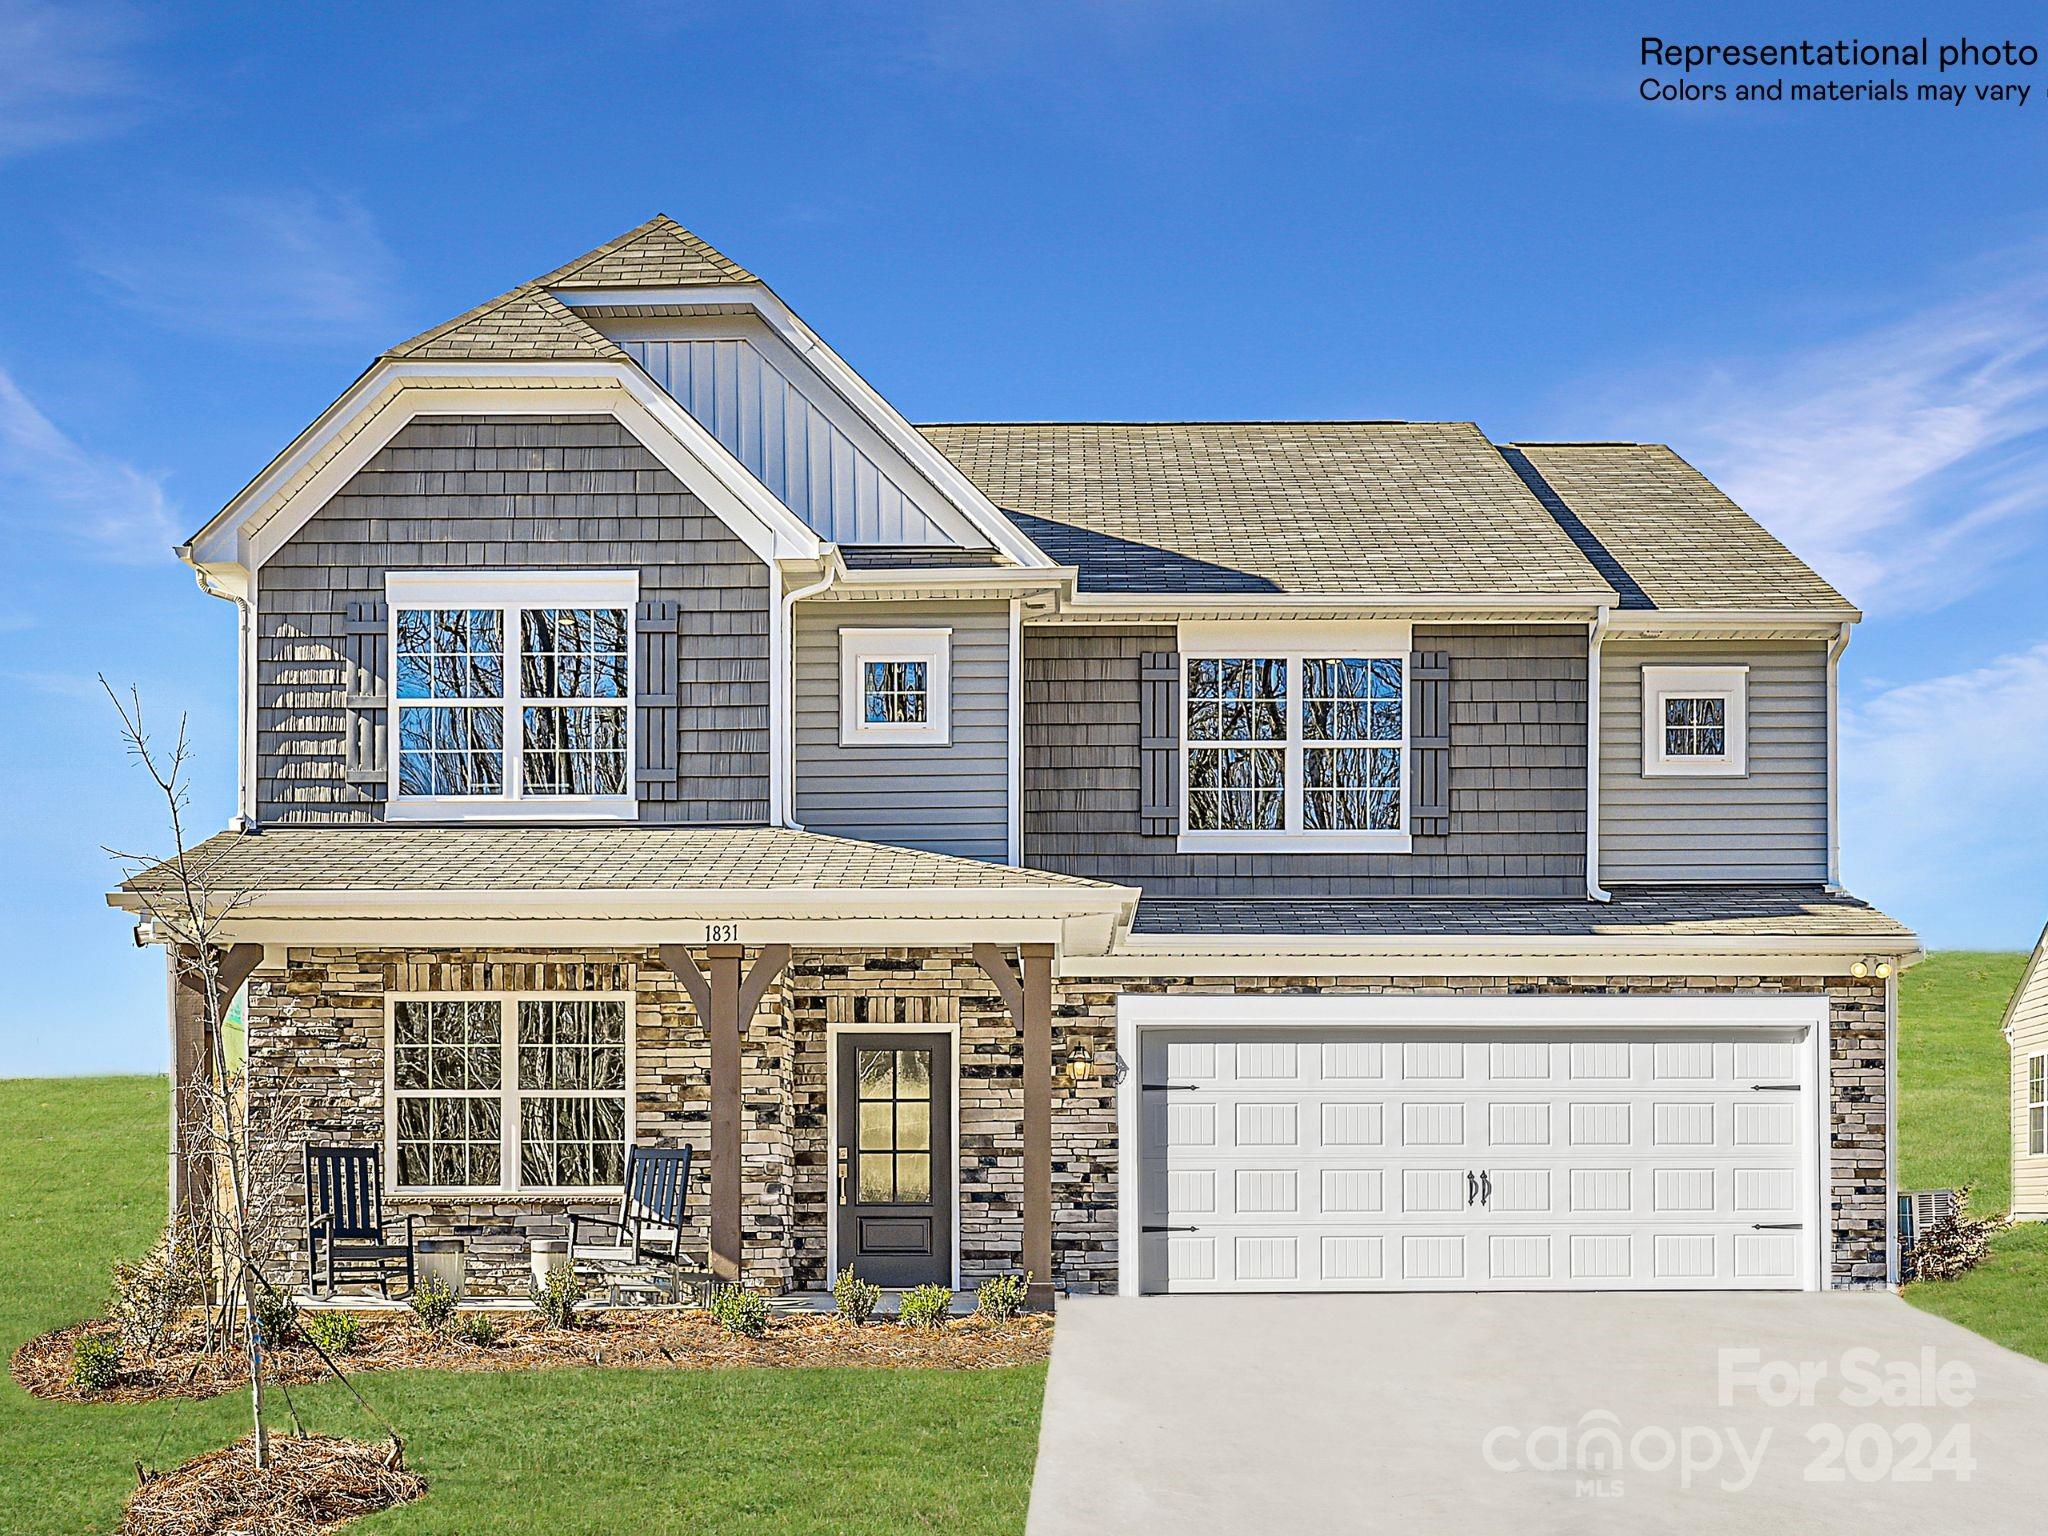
(245, 688)
(785, 630)
(1595, 635)
(1891, 1120)
(1835, 648)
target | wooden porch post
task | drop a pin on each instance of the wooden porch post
(1029, 998)
(192, 1047)
(725, 1002)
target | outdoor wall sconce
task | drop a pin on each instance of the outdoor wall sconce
(1881, 969)
(1082, 1067)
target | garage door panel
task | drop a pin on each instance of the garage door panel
(1347, 1160)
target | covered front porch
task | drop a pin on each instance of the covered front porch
(867, 1074)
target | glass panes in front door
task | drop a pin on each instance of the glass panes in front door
(893, 1141)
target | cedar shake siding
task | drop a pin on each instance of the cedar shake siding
(1768, 824)
(946, 799)
(1517, 823)
(471, 493)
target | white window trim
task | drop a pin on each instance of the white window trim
(508, 592)
(2037, 1146)
(933, 647)
(509, 1093)
(1293, 649)
(1729, 683)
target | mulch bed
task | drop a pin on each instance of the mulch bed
(312, 1485)
(685, 1340)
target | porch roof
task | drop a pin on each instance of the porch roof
(600, 871)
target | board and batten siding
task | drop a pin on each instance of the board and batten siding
(1517, 775)
(2029, 1038)
(1770, 824)
(781, 421)
(528, 493)
(944, 799)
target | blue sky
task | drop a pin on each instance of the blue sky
(211, 221)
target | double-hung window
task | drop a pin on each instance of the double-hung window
(2037, 1106)
(1294, 749)
(512, 694)
(510, 1091)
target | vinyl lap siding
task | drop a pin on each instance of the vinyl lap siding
(1771, 824)
(950, 799)
(1518, 775)
(2029, 1037)
(465, 493)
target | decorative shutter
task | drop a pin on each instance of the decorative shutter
(1429, 743)
(1159, 743)
(365, 697)
(656, 701)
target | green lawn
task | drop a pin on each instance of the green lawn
(1954, 1108)
(81, 1182)
(1953, 1082)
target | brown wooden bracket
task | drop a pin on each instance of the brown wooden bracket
(1027, 993)
(724, 1003)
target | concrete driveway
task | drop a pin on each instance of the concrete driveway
(1759, 1414)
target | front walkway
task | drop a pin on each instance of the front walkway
(1434, 1414)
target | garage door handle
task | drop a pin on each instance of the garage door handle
(1776, 1226)
(1773, 1087)
(1168, 1087)
(1169, 1229)
(1471, 1186)
(1485, 1188)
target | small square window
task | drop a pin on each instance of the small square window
(1695, 721)
(894, 687)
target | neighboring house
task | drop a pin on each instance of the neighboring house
(1162, 856)
(2026, 1029)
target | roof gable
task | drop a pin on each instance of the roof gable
(657, 254)
(528, 324)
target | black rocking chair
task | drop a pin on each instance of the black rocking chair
(346, 1237)
(649, 1228)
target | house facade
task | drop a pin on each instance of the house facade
(1253, 856)
(2026, 1034)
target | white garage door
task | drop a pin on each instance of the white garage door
(1341, 1160)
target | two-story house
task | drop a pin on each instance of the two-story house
(1161, 856)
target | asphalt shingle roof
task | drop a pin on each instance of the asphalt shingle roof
(1665, 911)
(657, 254)
(1407, 509)
(1680, 541)
(527, 324)
(472, 858)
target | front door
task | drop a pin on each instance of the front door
(893, 1167)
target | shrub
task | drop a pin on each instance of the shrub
(1003, 1297)
(855, 1298)
(433, 1303)
(95, 1361)
(925, 1306)
(151, 1295)
(336, 1332)
(1953, 1246)
(478, 1328)
(740, 1311)
(556, 1297)
(275, 1316)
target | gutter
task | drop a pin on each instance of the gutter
(1595, 635)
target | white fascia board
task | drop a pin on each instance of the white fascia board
(371, 413)
(711, 904)
(1170, 606)
(1466, 962)
(1486, 946)
(563, 933)
(1007, 580)
(1687, 623)
(941, 471)
(1793, 1010)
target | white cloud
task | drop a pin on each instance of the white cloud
(1942, 782)
(297, 266)
(1903, 462)
(62, 76)
(52, 488)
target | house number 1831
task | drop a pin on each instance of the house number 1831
(721, 933)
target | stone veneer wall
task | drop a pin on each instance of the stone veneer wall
(316, 1032)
